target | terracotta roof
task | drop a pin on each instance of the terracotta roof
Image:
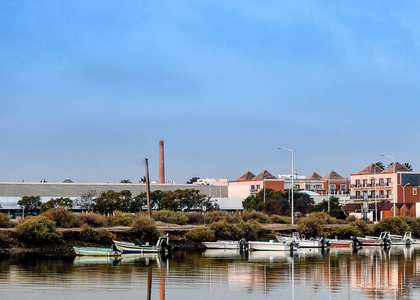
(351, 207)
(314, 176)
(247, 176)
(264, 175)
(333, 175)
(372, 168)
(385, 206)
(398, 168)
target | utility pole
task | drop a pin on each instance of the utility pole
(146, 162)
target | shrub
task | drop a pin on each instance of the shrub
(119, 218)
(255, 215)
(5, 221)
(87, 233)
(351, 218)
(322, 218)
(145, 228)
(249, 230)
(38, 229)
(280, 219)
(311, 227)
(218, 215)
(395, 225)
(200, 234)
(62, 217)
(223, 230)
(195, 218)
(167, 216)
(92, 219)
(356, 228)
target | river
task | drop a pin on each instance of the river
(338, 273)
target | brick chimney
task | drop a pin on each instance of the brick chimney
(161, 163)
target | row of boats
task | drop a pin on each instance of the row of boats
(296, 241)
(118, 247)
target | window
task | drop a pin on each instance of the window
(372, 182)
(357, 183)
(388, 181)
(343, 187)
(364, 182)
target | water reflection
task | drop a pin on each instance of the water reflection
(337, 273)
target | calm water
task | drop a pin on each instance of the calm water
(371, 273)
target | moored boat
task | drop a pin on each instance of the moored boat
(273, 245)
(96, 251)
(303, 241)
(227, 244)
(162, 245)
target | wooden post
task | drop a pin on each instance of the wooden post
(147, 187)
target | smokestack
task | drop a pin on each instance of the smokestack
(161, 163)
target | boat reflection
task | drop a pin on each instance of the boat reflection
(94, 260)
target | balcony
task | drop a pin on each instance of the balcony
(369, 185)
(360, 197)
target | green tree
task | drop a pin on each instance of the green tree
(31, 204)
(408, 166)
(335, 208)
(302, 203)
(110, 201)
(380, 164)
(56, 203)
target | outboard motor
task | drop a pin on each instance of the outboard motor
(165, 246)
(356, 243)
(243, 245)
(324, 243)
(293, 245)
(387, 241)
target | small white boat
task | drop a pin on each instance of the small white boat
(162, 245)
(273, 245)
(384, 239)
(340, 243)
(222, 244)
(303, 242)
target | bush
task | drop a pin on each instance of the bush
(62, 217)
(218, 215)
(280, 219)
(87, 233)
(195, 218)
(38, 229)
(351, 218)
(397, 225)
(356, 228)
(145, 228)
(322, 218)
(119, 218)
(255, 215)
(223, 230)
(200, 234)
(248, 230)
(311, 226)
(92, 219)
(167, 216)
(5, 221)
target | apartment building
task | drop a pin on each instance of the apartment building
(393, 191)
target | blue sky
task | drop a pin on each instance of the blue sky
(88, 88)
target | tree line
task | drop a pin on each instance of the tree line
(110, 201)
(270, 202)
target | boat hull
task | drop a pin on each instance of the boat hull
(133, 248)
(94, 251)
(222, 245)
(270, 246)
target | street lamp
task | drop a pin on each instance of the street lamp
(292, 202)
(393, 165)
(403, 186)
